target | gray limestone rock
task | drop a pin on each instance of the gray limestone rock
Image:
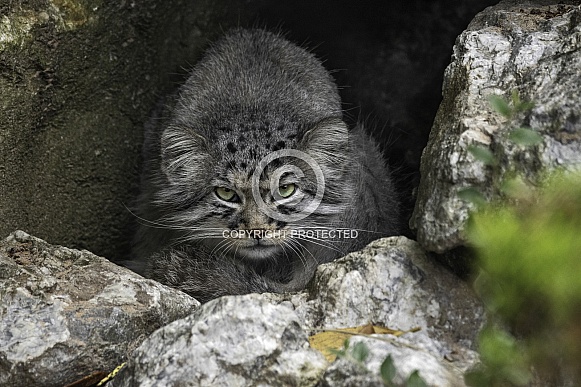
(66, 313)
(412, 352)
(230, 341)
(393, 283)
(533, 47)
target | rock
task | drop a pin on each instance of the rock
(394, 284)
(78, 80)
(414, 352)
(344, 372)
(230, 341)
(532, 47)
(66, 313)
(250, 340)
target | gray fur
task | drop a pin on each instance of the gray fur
(254, 93)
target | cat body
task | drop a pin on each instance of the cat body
(251, 178)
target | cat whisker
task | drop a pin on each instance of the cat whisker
(219, 246)
(229, 246)
(155, 223)
(298, 249)
(320, 243)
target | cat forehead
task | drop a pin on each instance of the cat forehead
(250, 147)
(245, 176)
(245, 181)
(255, 141)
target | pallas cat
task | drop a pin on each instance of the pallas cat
(251, 177)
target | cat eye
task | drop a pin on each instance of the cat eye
(286, 190)
(226, 194)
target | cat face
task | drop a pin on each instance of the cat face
(252, 197)
(246, 200)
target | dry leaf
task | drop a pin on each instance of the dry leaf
(333, 339)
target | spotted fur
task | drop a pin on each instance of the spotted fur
(252, 94)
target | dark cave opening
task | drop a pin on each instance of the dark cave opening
(78, 95)
(388, 60)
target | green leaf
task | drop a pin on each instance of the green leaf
(503, 359)
(500, 105)
(415, 380)
(482, 154)
(346, 344)
(525, 137)
(360, 352)
(520, 105)
(337, 352)
(525, 106)
(387, 370)
(477, 378)
(472, 195)
(515, 98)
(516, 188)
(340, 352)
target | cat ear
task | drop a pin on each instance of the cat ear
(184, 154)
(327, 140)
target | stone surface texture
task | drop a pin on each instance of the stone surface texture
(230, 341)
(260, 340)
(533, 47)
(66, 313)
(416, 352)
(78, 80)
(393, 283)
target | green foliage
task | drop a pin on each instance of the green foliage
(503, 361)
(501, 106)
(343, 352)
(510, 109)
(359, 353)
(519, 105)
(540, 240)
(472, 195)
(415, 380)
(387, 370)
(522, 136)
(483, 154)
(525, 137)
(530, 251)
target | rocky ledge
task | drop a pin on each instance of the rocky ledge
(66, 314)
